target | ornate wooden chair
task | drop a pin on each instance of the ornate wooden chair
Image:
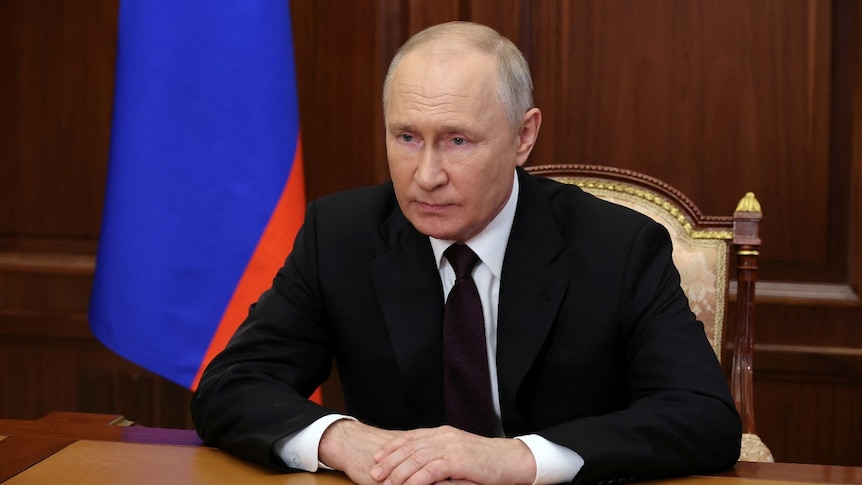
(701, 253)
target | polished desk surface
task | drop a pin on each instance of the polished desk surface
(101, 449)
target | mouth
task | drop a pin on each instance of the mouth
(431, 208)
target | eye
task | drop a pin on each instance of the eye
(406, 137)
(458, 140)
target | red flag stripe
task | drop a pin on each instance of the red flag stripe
(270, 253)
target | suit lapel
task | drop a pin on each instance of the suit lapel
(411, 297)
(530, 291)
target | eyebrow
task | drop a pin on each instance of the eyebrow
(454, 129)
(397, 127)
(401, 127)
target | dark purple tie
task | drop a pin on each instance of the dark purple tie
(466, 379)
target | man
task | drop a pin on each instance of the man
(598, 370)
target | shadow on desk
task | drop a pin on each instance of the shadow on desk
(81, 448)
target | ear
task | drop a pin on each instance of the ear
(528, 133)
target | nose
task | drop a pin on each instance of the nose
(430, 170)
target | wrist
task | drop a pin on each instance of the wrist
(523, 463)
(329, 448)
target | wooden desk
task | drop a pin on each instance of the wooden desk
(102, 449)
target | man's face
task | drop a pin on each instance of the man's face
(452, 153)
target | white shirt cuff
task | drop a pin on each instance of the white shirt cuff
(554, 463)
(299, 450)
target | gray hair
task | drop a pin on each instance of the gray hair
(515, 92)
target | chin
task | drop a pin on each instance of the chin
(436, 231)
(437, 226)
(440, 235)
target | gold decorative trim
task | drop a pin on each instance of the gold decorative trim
(749, 203)
(721, 277)
(747, 252)
(653, 198)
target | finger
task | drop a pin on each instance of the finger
(424, 457)
(407, 455)
(404, 437)
(395, 455)
(435, 471)
(390, 446)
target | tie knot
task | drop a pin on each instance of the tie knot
(462, 259)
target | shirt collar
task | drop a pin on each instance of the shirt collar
(487, 244)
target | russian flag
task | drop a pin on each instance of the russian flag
(205, 185)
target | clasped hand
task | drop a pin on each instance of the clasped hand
(371, 455)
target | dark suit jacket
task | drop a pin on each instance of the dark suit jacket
(597, 348)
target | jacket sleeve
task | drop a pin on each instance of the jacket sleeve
(255, 391)
(680, 418)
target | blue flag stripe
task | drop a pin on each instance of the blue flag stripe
(205, 131)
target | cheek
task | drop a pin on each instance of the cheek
(496, 184)
(401, 171)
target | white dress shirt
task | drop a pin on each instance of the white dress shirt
(554, 463)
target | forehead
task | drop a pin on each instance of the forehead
(444, 75)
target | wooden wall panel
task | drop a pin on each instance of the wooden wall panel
(339, 79)
(57, 60)
(56, 93)
(833, 437)
(715, 104)
(715, 96)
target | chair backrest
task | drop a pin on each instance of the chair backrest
(701, 251)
